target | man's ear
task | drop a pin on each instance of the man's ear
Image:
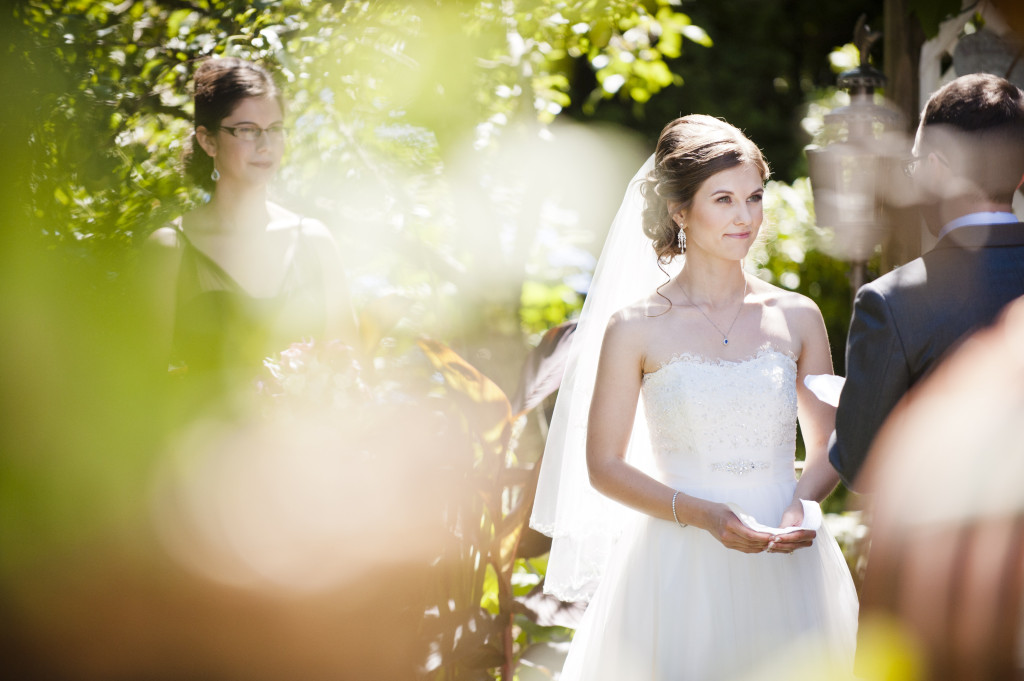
(206, 140)
(938, 162)
(940, 174)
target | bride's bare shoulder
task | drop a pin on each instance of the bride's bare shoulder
(642, 312)
(794, 312)
(634, 323)
(789, 302)
(626, 339)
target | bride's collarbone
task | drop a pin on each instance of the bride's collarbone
(688, 338)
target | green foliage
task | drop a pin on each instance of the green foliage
(788, 255)
(418, 133)
(108, 135)
(382, 113)
(931, 13)
(844, 58)
(625, 42)
(493, 519)
(109, 99)
(768, 59)
(544, 306)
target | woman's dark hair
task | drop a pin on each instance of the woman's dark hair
(690, 150)
(221, 83)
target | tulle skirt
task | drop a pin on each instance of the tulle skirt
(675, 604)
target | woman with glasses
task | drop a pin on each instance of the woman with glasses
(240, 277)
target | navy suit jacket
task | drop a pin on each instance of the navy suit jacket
(905, 321)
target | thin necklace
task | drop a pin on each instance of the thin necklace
(725, 334)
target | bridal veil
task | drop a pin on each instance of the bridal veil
(582, 523)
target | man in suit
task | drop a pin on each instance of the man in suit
(968, 160)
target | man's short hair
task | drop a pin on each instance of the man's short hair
(977, 121)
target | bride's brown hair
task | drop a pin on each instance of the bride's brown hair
(690, 150)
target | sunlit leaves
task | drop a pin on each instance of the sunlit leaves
(931, 13)
(485, 404)
(625, 43)
(543, 306)
(788, 233)
(844, 58)
(788, 255)
(380, 94)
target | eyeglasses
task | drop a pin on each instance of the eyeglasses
(910, 165)
(251, 133)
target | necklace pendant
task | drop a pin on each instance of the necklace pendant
(725, 341)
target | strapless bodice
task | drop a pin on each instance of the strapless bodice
(716, 422)
(674, 602)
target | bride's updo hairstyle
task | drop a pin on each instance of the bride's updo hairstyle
(690, 150)
(220, 84)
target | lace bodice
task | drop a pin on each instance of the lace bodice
(713, 416)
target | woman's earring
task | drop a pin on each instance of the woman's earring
(681, 239)
(215, 175)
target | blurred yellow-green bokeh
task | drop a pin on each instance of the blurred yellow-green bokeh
(468, 157)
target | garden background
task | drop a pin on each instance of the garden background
(468, 156)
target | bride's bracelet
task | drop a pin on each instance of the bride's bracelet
(674, 509)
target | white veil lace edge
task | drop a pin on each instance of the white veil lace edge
(583, 523)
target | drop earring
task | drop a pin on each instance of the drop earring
(215, 175)
(681, 239)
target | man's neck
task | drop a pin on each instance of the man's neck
(953, 209)
(996, 217)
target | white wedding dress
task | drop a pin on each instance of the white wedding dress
(676, 605)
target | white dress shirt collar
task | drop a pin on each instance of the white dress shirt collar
(985, 218)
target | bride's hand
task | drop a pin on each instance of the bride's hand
(733, 534)
(793, 515)
(790, 542)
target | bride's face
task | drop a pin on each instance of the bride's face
(726, 213)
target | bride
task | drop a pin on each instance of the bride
(705, 538)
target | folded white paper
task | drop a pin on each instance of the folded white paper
(825, 387)
(811, 521)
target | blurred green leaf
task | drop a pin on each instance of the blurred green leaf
(931, 13)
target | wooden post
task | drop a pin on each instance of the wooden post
(903, 38)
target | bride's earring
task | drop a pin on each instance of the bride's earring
(215, 175)
(681, 239)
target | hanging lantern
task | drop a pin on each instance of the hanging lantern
(857, 163)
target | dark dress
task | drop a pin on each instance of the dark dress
(222, 333)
